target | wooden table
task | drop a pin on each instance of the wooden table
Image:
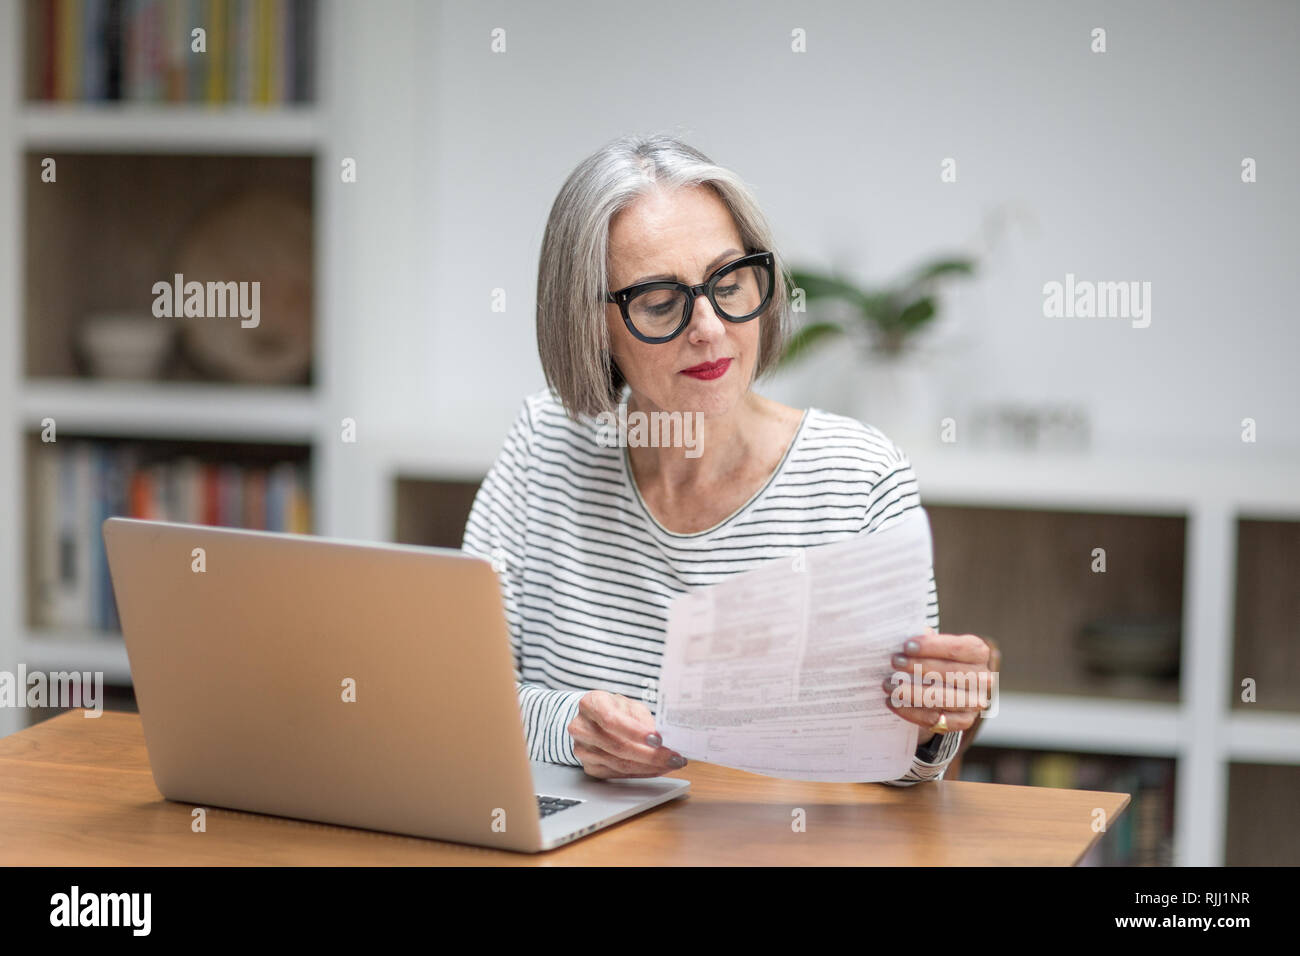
(77, 791)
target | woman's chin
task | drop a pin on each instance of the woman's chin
(710, 399)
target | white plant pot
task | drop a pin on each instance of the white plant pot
(897, 395)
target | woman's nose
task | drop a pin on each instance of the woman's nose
(704, 321)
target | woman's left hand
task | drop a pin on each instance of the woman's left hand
(960, 667)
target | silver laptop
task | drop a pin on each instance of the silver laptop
(342, 682)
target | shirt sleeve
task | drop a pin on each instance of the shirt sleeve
(495, 531)
(896, 494)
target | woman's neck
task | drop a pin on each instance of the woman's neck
(722, 446)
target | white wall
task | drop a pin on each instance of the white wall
(1127, 163)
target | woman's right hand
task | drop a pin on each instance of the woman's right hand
(615, 736)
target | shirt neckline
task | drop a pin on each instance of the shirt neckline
(629, 481)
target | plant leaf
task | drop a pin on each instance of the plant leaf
(917, 314)
(939, 268)
(817, 285)
(801, 341)
(881, 308)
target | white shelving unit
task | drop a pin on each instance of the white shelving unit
(173, 410)
(1200, 732)
(58, 651)
(168, 410)
(294, 129)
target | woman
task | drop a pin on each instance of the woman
(592, 542)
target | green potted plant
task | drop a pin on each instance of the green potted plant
(888, 318)
(883, 325)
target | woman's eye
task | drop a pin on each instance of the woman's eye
(726, 290)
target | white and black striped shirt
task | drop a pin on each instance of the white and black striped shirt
(588, 574)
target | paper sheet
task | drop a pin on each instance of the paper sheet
(779, 670)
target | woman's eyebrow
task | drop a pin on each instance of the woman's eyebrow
(664, 277)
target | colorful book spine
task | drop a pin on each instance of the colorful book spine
(114, 48)
(262, 45)
(156, 77)
(44, 482)
(254, 516)
(255, 51)
(76, 485)
(197, 64)
(245, 31)
(47, 37)
(94, 54)
(174, 48)
(68, 24)
(82, 511)
(304, 60)
(216, 14)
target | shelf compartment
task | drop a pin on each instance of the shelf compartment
(1267, 616)
(1261, 816)
(72, 484)
(431, 512)
(125, 220)
(1025, 579)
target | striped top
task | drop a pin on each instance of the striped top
(587, 572)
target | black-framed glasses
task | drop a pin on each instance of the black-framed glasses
(660, 311)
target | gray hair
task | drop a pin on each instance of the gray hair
(572, 284)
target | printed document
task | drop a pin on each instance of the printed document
(780, 670)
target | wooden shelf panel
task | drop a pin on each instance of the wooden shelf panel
(1266, 647)
(1261, 827)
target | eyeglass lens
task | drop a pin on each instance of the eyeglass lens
(737, 295)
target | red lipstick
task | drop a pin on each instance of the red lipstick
(707, 371)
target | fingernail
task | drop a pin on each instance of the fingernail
(677, 761)
(653, 740)
(912, 647)
(898, 660)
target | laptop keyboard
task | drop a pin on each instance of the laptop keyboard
(548, 805)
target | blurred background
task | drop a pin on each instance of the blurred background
(1115, 499)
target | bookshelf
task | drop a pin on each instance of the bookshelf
(1215, 496)
(143, 165)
